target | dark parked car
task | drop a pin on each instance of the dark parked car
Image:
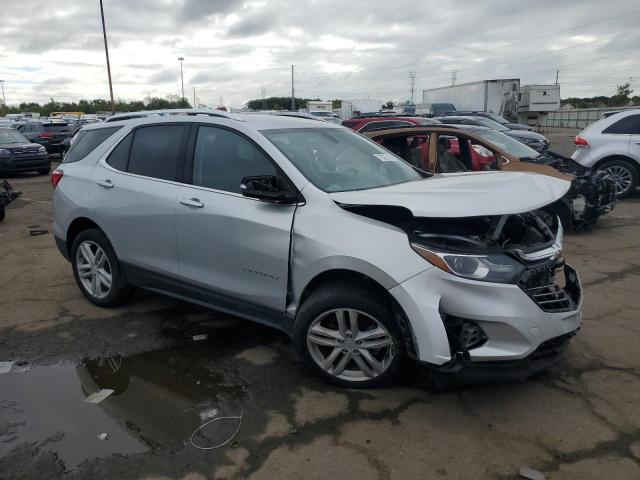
(531, 139)
(495, 117)
(17, 154)
(50, 135)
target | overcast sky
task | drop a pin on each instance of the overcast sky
(340, 48)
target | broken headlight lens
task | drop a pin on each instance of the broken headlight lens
(498, 268)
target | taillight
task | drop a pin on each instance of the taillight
(581, 142)
(46, 135)
(56, 176)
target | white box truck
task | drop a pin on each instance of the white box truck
(498, 96)
(353, 108)
(535, 101)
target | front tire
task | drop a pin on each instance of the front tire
(97, 270)
(348, 336)
(624, 175)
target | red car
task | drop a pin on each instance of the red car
(481, 158)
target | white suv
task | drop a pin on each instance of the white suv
(613, 144)
(313, 229)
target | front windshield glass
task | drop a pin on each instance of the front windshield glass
(508, 144)
(338, 160)
(486, 122)
(11, 136)
(497, 118)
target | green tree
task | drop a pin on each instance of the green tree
(389, 105)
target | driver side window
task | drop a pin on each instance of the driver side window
(223, 158)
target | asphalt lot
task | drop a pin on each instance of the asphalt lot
(580, 420)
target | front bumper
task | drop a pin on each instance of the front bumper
(24, 163)
(514, 324)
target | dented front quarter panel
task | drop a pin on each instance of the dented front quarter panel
(326, 237)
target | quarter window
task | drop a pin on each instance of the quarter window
(223, 158)
(156, 150)
(86, 142)
(119, 156)
(626, 125)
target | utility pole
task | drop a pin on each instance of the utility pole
(181, 59)
(557, 73)
(106, 52)
(264, 98)
(4, 101)
(293, 101)
(454, 77)
(195, 105)
(412, 88)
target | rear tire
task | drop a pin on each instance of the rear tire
(624, 174)
(366, 352)
(97, 270)
(1, 212)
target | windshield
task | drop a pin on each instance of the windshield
(338, 160)
(11, 136)
(508, 144)
(486, 122)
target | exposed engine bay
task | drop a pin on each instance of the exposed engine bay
(523, 232)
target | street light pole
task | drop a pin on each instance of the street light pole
(194, 98)
(4, 101)
(181, 59)
(106, 51)
(293, 94)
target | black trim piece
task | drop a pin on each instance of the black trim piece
(207, 297)
(62, 246)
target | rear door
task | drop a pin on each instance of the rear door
(233, 250)
(133, 199)
(634, 143)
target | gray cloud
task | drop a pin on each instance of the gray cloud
(340, 49)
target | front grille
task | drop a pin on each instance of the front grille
(552, 347)
(24, 151)
(541, 285)
(545, 146)
(551, 298)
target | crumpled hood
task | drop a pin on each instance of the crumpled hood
(466, 194)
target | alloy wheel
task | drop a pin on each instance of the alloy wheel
(94, 269)
(621, 176)
(350, 345)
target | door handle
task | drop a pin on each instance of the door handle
(637, 142)
(191, 202)
(105, 183)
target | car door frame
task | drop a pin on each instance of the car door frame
(210, 298)
(137, 275)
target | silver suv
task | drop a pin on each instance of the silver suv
(613, 144)
(315, 230)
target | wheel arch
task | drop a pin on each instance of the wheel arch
(634, 163)
(342, 275)
(79, 225)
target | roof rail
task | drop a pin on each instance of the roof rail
(169, 111)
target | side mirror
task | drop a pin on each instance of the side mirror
(266, 188)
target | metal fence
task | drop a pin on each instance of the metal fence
(576, 118)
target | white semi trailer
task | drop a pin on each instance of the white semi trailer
(498, 96)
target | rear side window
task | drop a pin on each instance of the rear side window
(156, 150)
(119, 156)
(86, 142)
(626, 125)
(376, 126)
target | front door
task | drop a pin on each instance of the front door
(233, 251)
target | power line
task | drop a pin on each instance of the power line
(412, 88)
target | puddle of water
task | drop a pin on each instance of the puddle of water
(159, 400)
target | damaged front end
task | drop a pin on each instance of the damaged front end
(592, 193)
(7, 195)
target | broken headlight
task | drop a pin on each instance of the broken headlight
(495, 267)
